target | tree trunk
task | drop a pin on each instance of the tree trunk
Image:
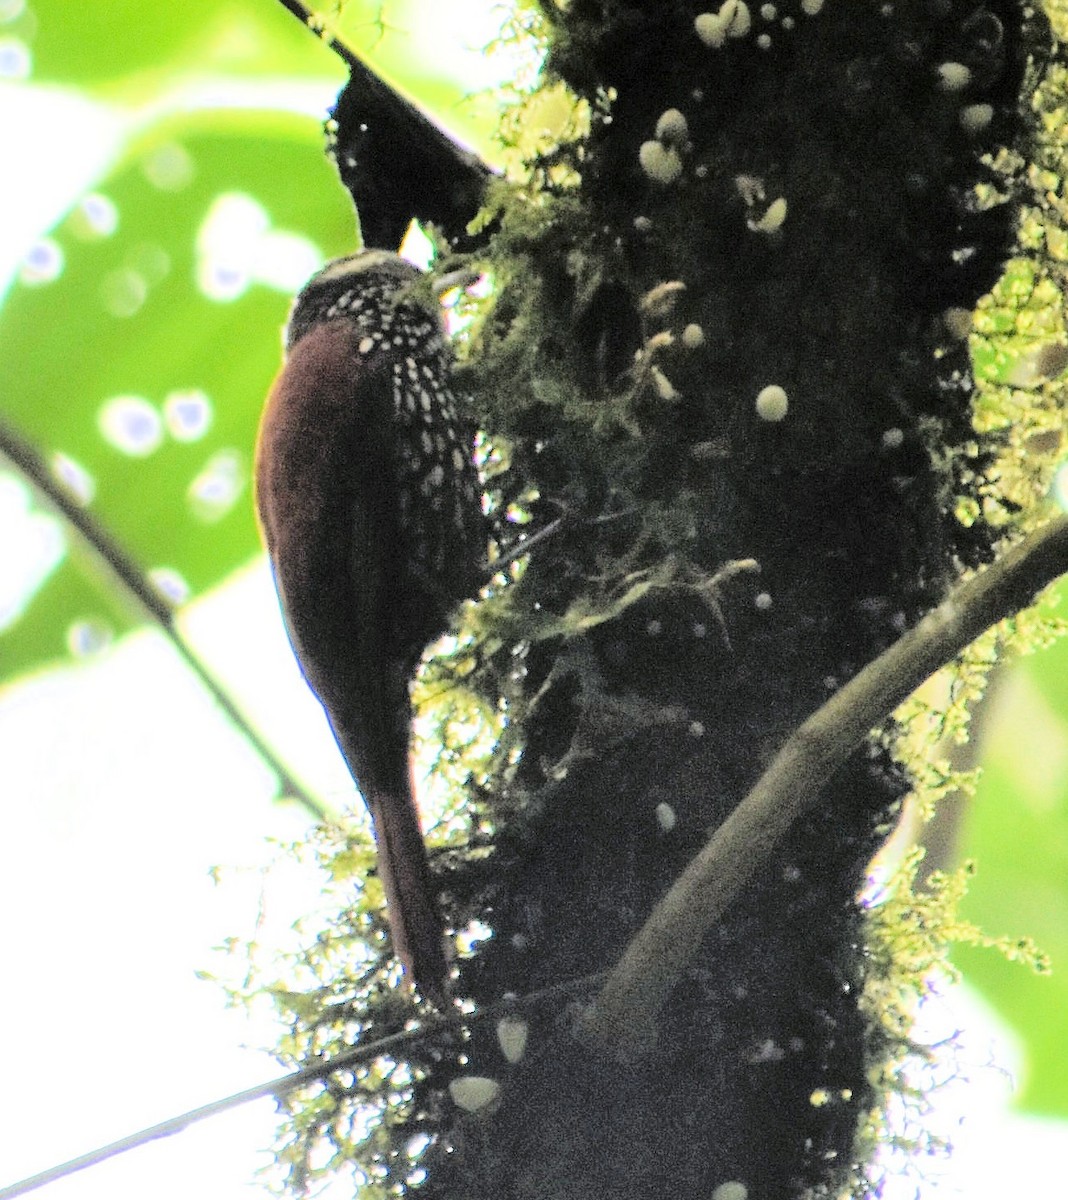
(817, 175)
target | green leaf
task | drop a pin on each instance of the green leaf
(124, 46)
(1017, 831)
(144, 362)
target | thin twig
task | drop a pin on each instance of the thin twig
(623, 1017)
(276, 1089)
(128, 573)
(559, 524)
(522, 548)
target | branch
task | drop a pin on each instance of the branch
(129, 575)
(278, 1088)
(306, 17)
(275, 1088)
(623, 1017)
(396, 163)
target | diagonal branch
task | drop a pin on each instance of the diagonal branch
(273, 1089)
(623, 1017)
(396, 163)
(131, 578)
(281, 1087)
(307, 17)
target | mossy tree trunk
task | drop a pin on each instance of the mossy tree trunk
(670, 689)
(819, 178)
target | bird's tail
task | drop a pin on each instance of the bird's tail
(414, 918)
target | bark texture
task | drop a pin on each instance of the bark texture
(819, 202)
(741, 336)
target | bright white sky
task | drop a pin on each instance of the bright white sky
(112, 823)
(116, 808)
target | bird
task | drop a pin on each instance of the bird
(370, 507)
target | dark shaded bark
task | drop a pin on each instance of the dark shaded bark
(852, 115)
